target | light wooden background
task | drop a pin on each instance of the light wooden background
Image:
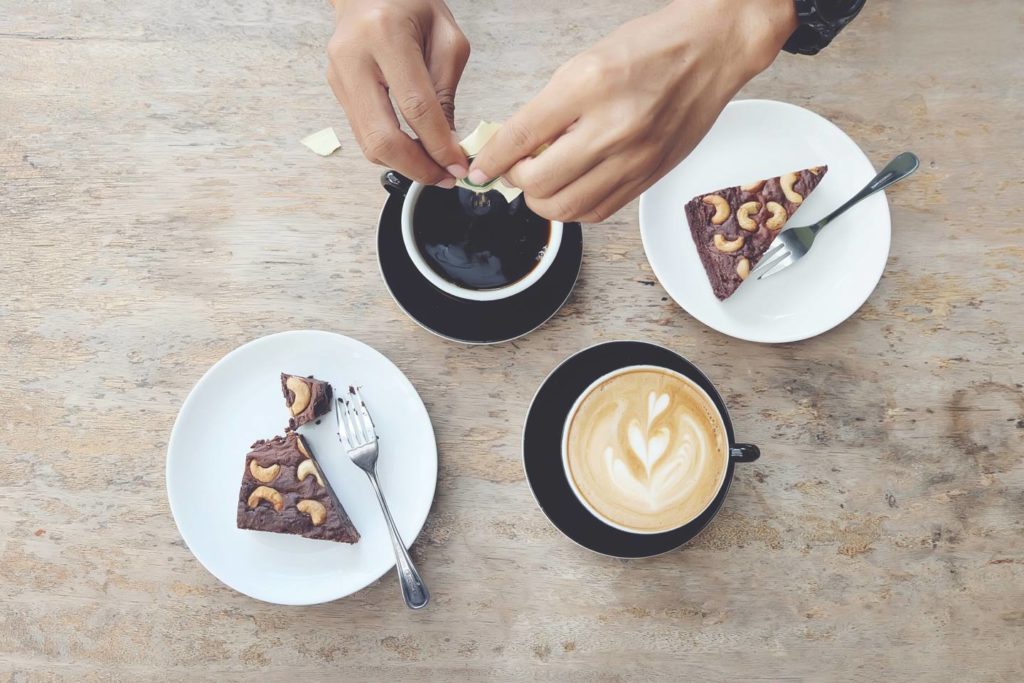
(156, 211)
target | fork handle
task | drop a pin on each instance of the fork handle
(896, 170)
(413, 589)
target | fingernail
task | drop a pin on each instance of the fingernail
(457, 170)
(478, 177)
(447, 183)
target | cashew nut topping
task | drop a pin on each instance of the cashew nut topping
(778, 218)
(721, 208)
(753, 187)
(300, 443)
(301, 391)
(316, 511)
(743, 268)
(726, 246)
(787, 182)
(306, 468)
(268, 494)
(264, 474)
(743, 215)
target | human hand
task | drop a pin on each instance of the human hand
(625, 112)
(415, 49)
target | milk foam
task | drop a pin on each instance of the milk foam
(646, 449)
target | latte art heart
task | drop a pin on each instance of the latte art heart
(646, 450)
(667, 457)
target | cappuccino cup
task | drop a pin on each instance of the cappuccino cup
(645, 449)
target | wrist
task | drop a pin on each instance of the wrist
(753, 30)
(767, 25)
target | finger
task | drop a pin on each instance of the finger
(414, 93)
(566, 160)
(540, 120)
(612, 204)
(377, 131)
(623, 196)
(592, 198)
(448, 57)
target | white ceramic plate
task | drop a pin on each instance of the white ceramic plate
(755, 139)
(238, 401)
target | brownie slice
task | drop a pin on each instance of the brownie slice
(732, 228)
(307, 398)
(283, 490)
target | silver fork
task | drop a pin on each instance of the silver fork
(793, 243)
(358, 436)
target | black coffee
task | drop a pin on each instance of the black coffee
(478, 241)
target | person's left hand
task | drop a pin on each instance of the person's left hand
(626, 111)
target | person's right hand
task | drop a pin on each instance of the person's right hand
(415, 50)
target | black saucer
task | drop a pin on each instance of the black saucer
(542, 448)
(462, 320)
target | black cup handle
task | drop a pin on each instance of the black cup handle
(744, 452)
(395, 183)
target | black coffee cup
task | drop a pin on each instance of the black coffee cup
(470, 205)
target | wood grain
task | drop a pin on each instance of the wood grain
(156, 211)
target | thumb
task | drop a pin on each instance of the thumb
(539, 122)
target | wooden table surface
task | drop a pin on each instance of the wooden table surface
(157, 210)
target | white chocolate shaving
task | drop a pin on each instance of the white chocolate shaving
(471, 145)
(323, 142)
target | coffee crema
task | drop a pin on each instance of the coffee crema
(646, 449)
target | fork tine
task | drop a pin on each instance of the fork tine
(767, 264)
(358, 438)
(776, 247)
(357, 419)
(342, 430)
(364, 413)
(353, 425)
(778, 267)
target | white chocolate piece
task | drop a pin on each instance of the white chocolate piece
(481, 135)
(323, 142)
(471, 145)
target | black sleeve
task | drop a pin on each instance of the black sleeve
(819, 22)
